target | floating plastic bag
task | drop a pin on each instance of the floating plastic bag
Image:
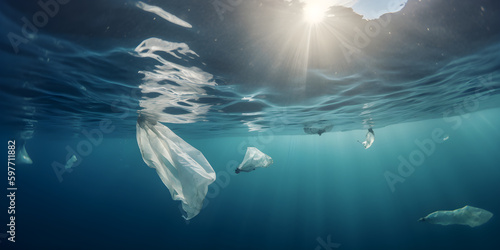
(70, 162)
(254, 159)
(471, 216)
(181, 167)
(370, 138)
(317, 130)
(23, 157)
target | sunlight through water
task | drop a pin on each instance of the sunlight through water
(314, 13)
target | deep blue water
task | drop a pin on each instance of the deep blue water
(255, 75)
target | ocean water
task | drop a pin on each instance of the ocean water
(227, 75)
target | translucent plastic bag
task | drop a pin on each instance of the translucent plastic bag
(317, 130)
(370, 138)
(23, 157)
(254, 159)
(470, 216)
(70, 162)
(181, 167)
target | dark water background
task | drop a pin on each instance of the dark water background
(435, 65)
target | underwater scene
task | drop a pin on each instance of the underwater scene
(250, 124)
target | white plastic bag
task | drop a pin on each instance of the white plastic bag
(471, 216)
(370, 138)
(181, 167)
(254, 159)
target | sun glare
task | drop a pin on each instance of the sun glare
(313, 13)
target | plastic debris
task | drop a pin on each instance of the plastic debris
(254, 158)
(470, 216)
(318, 131)
(181, 167)
(23, 157)
(370, 138)
(70, 162)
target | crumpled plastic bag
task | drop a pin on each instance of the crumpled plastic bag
(370, 138)
(23, 157)
(254, 159)
(470, 216)
(181, 167)
(317, 130)
(70, 162)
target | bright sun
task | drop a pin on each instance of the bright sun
(313, 13)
